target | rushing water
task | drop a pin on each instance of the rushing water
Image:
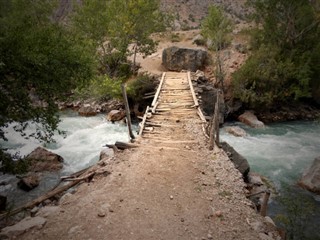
(281, 152)
(80, 147)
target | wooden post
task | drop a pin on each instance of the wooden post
(264, 205)
(217, 119)
(126, 104)
(212, 133)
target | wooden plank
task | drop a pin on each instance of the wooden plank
(143, 121)
(196, 103)
(158, 90)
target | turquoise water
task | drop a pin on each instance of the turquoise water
(281, 152)
(80, 147)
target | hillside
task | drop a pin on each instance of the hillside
(189, 13)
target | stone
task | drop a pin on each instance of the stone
(29, 182)
(65, 198)
(178, 59)
(251, 120)
(255, 179)
(48, 211)
(87, 110)
(3, 202)
(238, 160)
(23, 226)
(311, 177)
(44, 160)
(236, 131)
(116, 115)
(106, 153)
(74, 230)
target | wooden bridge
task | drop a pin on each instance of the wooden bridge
(174, 104)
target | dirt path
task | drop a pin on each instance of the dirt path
(170, 187)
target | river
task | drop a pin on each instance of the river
(281, 152)
(80, 147)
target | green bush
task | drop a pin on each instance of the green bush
(101, 87)
(8, 165)
(137, 87)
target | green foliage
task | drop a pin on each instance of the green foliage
(175, 37)
(285, 59)
(142, 84)
(8, 165)
(124, 26)
(101, 87)
(297, 212)
(216, 28)
(39, 59)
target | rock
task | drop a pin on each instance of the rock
(87, 110)
(29, 182)
(48, 210)
(238, 160)
(34, 211)
(208, 102)
(251, 120)
(3, 203)
(65, 198)
(116, 115)
(236, 131)
(74, 230)
(106, 153)
(218, 213)
(255, 179)
(44, 160)
(23, 226)
(177, 59)
(311, 177)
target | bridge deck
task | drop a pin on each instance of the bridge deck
(174, 104)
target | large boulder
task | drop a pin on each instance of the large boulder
(29, 182)
(251, 120)
(43, 160)
(116, 115)
(236, 131)
(87, 110)
(311, 177)
(177, 59)
(238, 160)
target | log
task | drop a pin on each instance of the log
(41, 199)
(121, 145)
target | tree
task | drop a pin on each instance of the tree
(133, 25)
(285, 59)
(40, 62)
(216, 27)
(120, 28)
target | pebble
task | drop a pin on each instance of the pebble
(101, 214)
(210, 236)
(218, 213)
(171, 197)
